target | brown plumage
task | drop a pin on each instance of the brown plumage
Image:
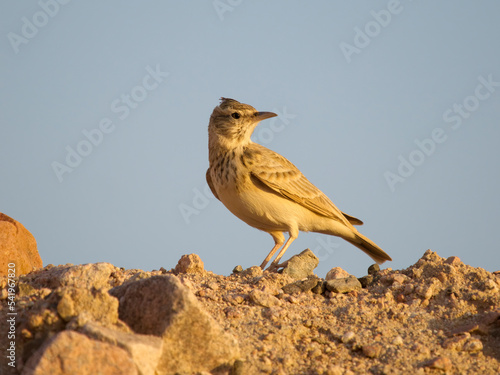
(267, 191)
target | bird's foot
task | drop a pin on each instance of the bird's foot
(276, 267)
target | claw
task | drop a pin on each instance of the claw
(275, 267)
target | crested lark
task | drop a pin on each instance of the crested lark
(268, 192)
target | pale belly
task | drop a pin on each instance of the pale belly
(270, 212)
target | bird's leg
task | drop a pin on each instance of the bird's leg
(279, 240)
(275, 264)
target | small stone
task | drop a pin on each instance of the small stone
(254, 271)
(409, 288)
(372, 351)
(337, 273)
(366, 281)
(263, 299)
(348, 336)
(238, 368)
(345, 285)
(237, 269)
(191, 263)
(453, 260)
(302, 265)
(319, 288)
(334, 370)
(398, 340)
(440, 363)
(301, 286)
(399, 278)
(473, 345)
(235, 298)
(373, 269)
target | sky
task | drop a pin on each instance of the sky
(391, 108)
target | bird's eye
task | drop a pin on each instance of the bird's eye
(235, 115)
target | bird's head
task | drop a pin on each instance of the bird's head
(232, 123)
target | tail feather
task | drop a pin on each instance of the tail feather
(370, 248)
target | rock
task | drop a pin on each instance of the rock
(17, 246)
(263, 299)
(238, 368)
(235, 298)
(70, 352)
(92, 275)
(302, 265)
(302, 286)
(372, 351)
(398, 340)
(98, 305)
(254, 271)
(345, 285)
(473, 345)
(192, 340)
(237, 269)
(348, 336)
(191, 263)
(366, 281)
(144, 350)
(453, 260)
(373, 269)
(440, 363)
(319, 288)
(337, 273)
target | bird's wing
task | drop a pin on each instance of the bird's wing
(210, 184)
(284, 178)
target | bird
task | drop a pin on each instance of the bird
(268, 192)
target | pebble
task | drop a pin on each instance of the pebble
(263, 299)
(372, 351)
(301, 286)
(348, 336)
(252, 272)
(301, 265)
(337, 273)
(398, 340)
(373, 269)
(440, 363)
(190, 263)
(366, 281)
(319, 288)
(473, 345)
(453, 260)
(237, 269)
(345, 285)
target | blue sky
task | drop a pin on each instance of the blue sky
(390, 107)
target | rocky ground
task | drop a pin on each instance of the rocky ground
(437, 316)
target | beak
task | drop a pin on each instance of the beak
(259, 116)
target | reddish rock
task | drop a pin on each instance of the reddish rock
(18, 246)
(70, 353)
